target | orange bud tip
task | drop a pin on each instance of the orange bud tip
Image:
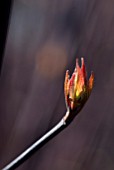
(78, 88)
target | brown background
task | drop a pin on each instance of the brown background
(44, 38)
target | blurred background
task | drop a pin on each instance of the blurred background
(43, 40)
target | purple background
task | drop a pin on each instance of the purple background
(44, 38)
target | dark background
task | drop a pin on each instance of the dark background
(5, 8)
(44, 38)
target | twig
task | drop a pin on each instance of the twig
(77, 90)
(38, 144)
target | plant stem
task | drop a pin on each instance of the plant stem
(34, 147)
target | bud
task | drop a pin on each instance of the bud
(77, 89)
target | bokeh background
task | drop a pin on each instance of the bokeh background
(44, 39)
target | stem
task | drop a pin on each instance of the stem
(34, 147)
